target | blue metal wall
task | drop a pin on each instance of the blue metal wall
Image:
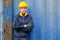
(58, 22)
(1, 20)
(46, 17)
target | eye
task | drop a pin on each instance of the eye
(24, 8)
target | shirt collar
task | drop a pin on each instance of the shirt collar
(24, 15)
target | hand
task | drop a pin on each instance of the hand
(25, 25)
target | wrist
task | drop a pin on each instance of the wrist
(25, 25)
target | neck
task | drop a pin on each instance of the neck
(23, 14)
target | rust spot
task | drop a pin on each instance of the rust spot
(9, 3)
(8, 30)
(4, 3)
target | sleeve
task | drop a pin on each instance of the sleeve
(16, 23)
(30, 26)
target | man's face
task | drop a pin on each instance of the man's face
(23, 10)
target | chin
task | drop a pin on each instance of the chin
(23, 12)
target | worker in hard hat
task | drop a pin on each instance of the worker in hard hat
(23, 23)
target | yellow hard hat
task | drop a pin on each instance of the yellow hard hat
(22, 4)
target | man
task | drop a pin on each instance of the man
(23, 23)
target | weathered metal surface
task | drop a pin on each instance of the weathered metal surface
(46, 17)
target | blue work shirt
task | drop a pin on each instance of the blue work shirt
(19, 31)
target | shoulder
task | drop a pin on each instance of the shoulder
(17, 16)
(29, 16)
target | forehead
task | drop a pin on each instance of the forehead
(23, 8)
